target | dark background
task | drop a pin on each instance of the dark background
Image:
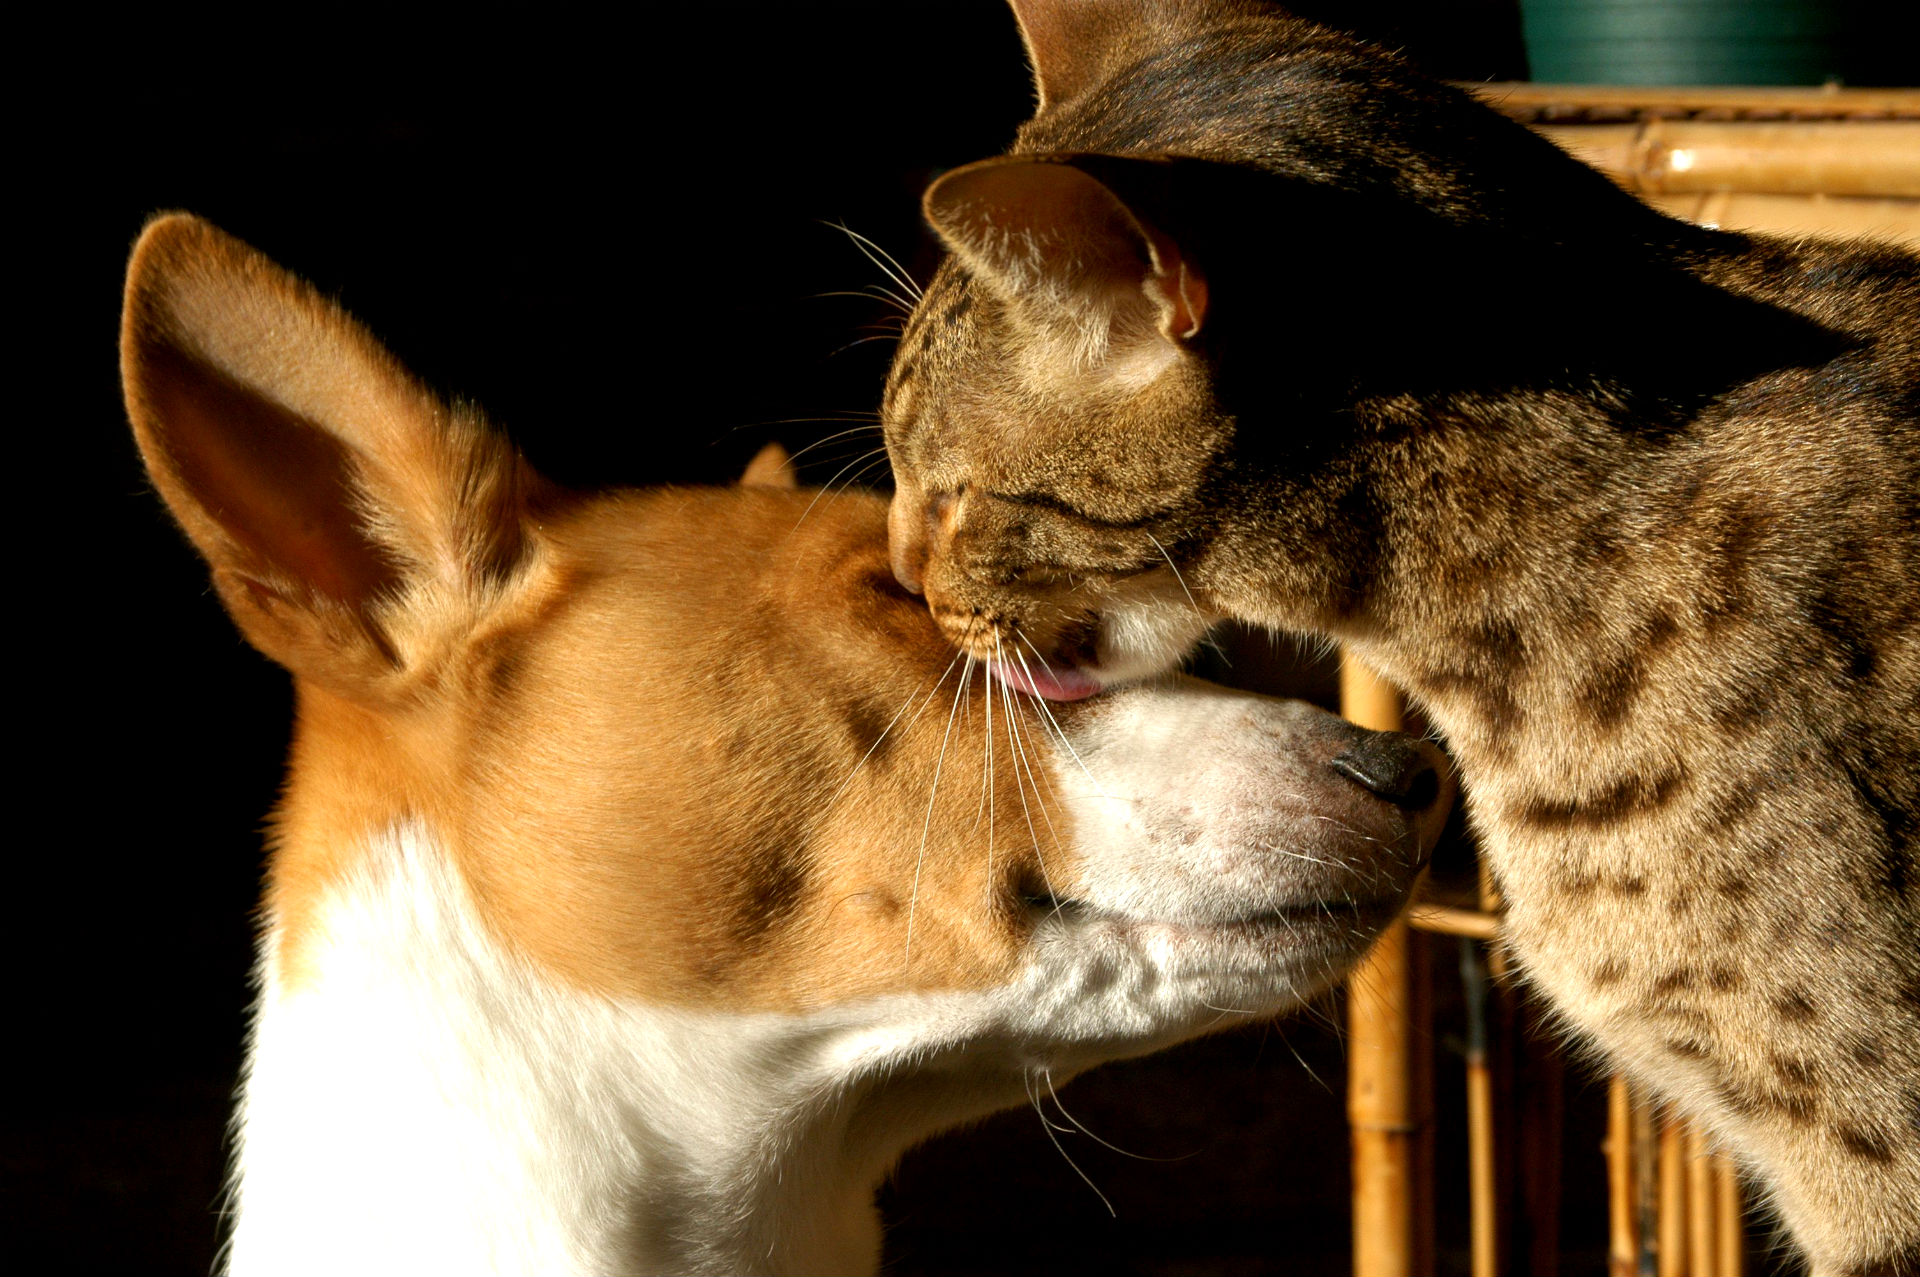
(611, 235)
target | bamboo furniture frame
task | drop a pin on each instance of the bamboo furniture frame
(1823, 161)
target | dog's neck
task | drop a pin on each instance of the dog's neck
(467, 1115)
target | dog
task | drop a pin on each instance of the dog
(649, 873)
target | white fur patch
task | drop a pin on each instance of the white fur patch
(431, 1103)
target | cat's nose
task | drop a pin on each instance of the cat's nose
(1404, 771)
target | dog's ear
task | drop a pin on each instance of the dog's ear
(771, 467)
(340, 504)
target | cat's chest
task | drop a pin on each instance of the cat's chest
(1643, 892)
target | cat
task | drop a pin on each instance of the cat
(1255, 322)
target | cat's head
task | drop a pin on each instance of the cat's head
(1055, 415)
(1209, 328)
(1050, 435)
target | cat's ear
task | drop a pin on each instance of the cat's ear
(1071, 43)
(345, 510)
(1064, 246)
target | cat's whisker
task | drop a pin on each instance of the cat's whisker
(1021, 757)
(1033, 1093)
(837, 436)
(868, 420)
(871, 467)
(865, 460)
(927, 701)
(860, 476)
(1176, 573)
(1222, 1014)
(873, 293)
(1058, 731)
(882, 258)
(826, 489)
(985, 809)
(888, 728)
(861, 341)
(1341, 825)
(986, 790)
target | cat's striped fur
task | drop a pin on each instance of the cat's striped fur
(1650, 556)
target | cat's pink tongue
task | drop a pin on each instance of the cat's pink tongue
(1064, 684)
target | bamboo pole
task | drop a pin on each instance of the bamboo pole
(1671, 1240)
(1380, 1109)
(1490, 906)
(1446, 920)
(1527, 101)
(1732, 1232)
(1646, 1186)
(1380, 1103)
(1703, 1236)
(1535, 1124)
(1484, 1221)
(1420, 1064)
(1368, 700)
(1622, 1235)
(1870, 158)
(1537, 1130)
(1483, 1217)
(1837, 217)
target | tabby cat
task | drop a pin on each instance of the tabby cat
(1256, 322)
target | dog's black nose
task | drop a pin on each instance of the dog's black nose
(1394, 767)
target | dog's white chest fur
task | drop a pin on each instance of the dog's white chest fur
(456, 1112)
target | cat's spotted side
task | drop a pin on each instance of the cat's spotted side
(1214, 341)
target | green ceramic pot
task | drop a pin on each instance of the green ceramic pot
(1685, 41)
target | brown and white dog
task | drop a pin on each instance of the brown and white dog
(648, 875)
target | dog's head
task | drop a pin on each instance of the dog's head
(696, 748)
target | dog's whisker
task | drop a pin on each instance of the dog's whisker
(1078, 1125)
(1300, 1059)
(1300, 855)
(1053, 1135)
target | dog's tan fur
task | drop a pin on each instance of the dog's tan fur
(449, 691)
